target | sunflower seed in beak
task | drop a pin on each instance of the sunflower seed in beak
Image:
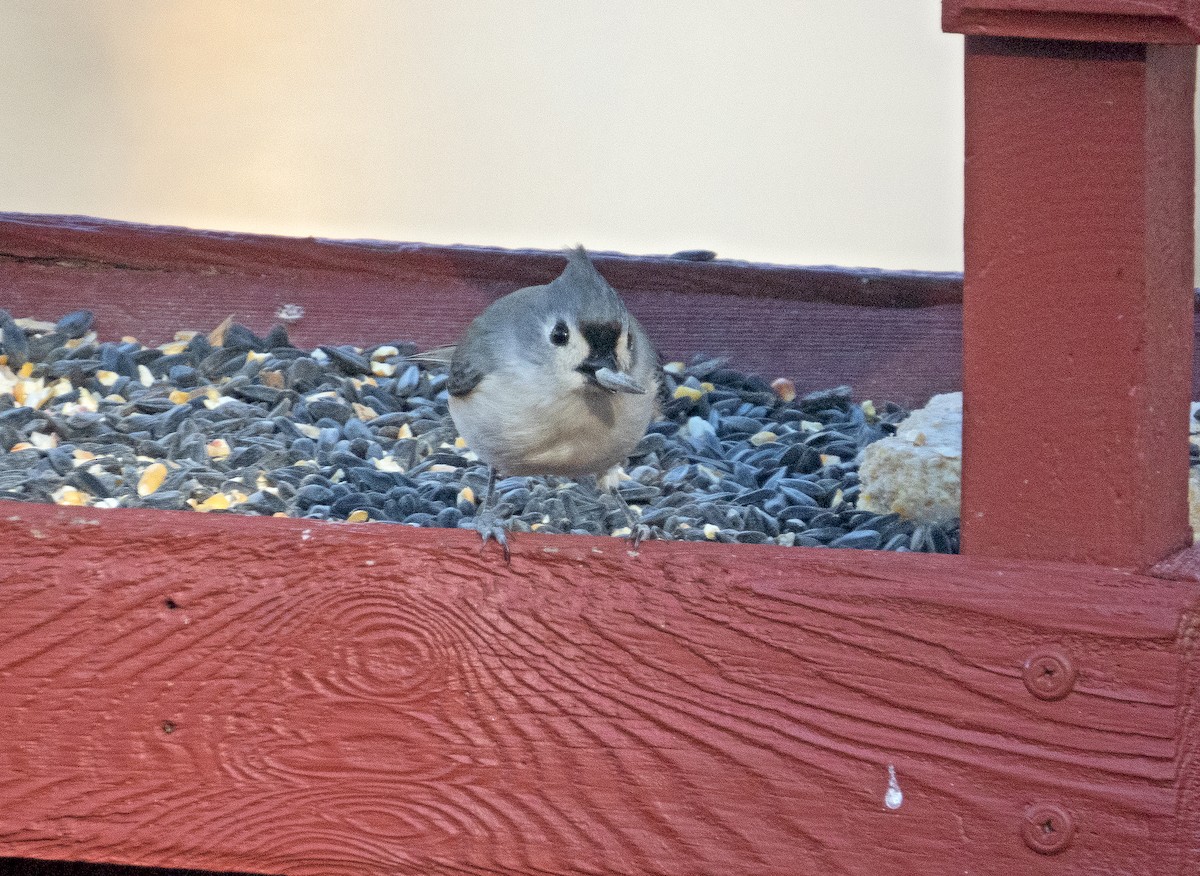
(618, 382)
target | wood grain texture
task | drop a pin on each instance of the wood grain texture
(373, 699)
(1116, 21)
(1078, 306)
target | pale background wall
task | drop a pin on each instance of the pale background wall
(803, 131)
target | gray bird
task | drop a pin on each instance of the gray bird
(554, 380)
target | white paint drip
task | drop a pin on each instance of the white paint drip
(894, 797)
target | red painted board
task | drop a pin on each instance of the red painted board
(280, 696)
(1116, 21)
(891, 335)
(1078, 300)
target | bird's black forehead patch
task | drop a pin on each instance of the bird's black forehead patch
(601, 336)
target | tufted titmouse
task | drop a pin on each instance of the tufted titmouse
(554, 380)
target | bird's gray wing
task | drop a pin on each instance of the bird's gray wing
(471, 363)
(664, 394)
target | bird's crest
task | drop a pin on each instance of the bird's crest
(582, 285)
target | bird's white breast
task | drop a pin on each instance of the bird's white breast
(522, 429)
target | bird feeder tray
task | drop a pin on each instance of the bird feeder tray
(285, 696)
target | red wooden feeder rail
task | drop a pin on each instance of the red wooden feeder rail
(286, 697)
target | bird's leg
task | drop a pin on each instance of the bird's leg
(638, 531)
(485, 521)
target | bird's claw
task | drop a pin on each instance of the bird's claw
(638, 532)
(489, 527)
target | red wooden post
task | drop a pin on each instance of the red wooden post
(1077, 320)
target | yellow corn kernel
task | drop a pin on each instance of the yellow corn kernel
(466, 494)
(70, 496)
(152, 478)
(25, 370)
(711, 530)
(460, 443)
(218, 448)
(107, 378)
(382, 369)
(688, 392)
(404, 431)
(179, 397)
(364, 412)
(387, 463)
(215, 502)
(359, 515)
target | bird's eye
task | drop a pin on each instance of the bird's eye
(559, 335)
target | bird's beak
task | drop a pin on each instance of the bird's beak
(603, 371)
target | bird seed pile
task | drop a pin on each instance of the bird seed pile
(236, 423)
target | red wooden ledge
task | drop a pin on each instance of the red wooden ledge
(278, 696)
(892, 335)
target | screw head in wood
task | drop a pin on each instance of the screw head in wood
(1049, 674)
(1047, 828)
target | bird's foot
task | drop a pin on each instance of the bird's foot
(638, 532)
(489, 526)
